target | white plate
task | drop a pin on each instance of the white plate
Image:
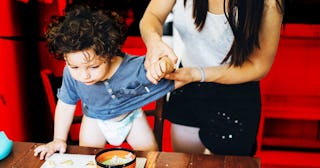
(78, 161)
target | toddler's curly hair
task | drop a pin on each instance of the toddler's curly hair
(83, 27)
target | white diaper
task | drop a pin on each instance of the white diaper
(116, 132)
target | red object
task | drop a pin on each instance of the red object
(12, 109)
(291, 91)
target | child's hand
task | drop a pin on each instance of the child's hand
(166, 65)
(45, 151)
(159, 69)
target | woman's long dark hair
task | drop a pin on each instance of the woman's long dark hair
(245, 27)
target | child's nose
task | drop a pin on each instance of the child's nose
(85, 75)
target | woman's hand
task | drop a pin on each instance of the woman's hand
(156, 51)
(183, 76)
(45, 151)
(159, 68)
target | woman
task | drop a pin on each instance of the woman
(229, 46)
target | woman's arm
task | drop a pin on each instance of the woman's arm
(255, 68)
(151, 26)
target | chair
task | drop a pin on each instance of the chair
(52, 83)
(156, 112)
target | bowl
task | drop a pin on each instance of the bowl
(116, 158)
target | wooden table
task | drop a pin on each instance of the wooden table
(22, 157)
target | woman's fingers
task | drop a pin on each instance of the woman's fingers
(154, 73)
(159, 69)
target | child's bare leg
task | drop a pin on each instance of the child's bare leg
(90, 133)
(141, 136)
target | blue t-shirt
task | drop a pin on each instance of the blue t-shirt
(128, 89)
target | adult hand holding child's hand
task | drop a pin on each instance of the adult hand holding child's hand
(159, 69)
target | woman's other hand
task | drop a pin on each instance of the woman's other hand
(183, 76)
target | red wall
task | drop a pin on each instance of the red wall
(11, 106)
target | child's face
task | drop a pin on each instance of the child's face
(87, 67)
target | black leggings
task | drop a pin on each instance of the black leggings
(228, 115)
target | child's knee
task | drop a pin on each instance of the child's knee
(147, 147)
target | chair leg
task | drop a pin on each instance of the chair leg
(158, 122)
(158, 131)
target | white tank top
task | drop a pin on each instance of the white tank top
(206, 48)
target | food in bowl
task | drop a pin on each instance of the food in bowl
(116, 158)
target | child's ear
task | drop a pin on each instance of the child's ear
(110, 59)
(66, 59)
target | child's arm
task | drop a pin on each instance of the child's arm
(63, 119)
(62, 122)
